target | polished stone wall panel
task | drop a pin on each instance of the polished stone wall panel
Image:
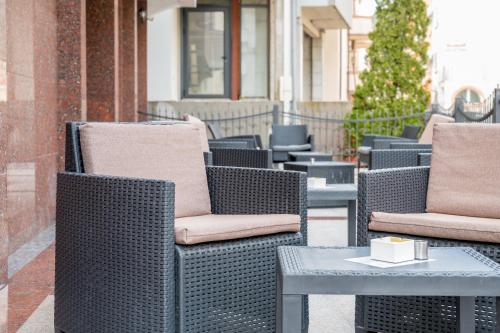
(30, 118)
(100, 22)
(142, 68)
(4, 229)
(127, 65)
(71, 71)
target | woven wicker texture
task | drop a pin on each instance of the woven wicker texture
(424, 159)
(404, 191)
(394, 158)
(258, 191)
(114, 266)
(115, 253)
(229, 286)
(246, 158)
(404, 145)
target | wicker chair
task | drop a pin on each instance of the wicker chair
(395, 158)
(244, 158)
(289, 138)
(118, 269)
(404, 153)
(405, 190)
(376, 141)
(252, 140)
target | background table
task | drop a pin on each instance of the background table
(300, 156)
(460, 272)
(335, 172)
(330, 196)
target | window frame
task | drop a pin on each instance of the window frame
(267, 6)
(227, 51)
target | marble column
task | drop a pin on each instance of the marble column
(4, 234)
(71, 68)
(102, 79)
(127, 65)
(142, 68)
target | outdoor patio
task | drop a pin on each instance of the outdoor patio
(249, 166)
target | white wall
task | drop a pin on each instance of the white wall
(335, 65)
(164, 46)
(464, 48)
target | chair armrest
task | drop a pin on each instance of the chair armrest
(244, 158)
(208, 157)
(386, 143)
(222, 143)
(394, 158)
(258, 191)
(114, 251)
(254, 140)
(409, 145)
(310, 140)
(401, 190)
(424, 159)
(369, 138)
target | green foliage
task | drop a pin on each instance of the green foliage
(393, 85)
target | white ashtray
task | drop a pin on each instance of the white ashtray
(316, 182)
(392, 249)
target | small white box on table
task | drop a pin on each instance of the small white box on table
(392, 249)
(316, 182)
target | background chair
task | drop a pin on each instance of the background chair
(252, 140)
(376, 141)
(289, 138)
(401, 154)
(118, 269)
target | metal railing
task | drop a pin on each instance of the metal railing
(332, 132)
(487, 111)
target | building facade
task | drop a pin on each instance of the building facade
(248, 51)
(464, 55)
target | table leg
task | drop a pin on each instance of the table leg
(466, 314)
(351, 222)
(289, 316)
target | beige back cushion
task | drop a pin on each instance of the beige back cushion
(465, 170)
(202, 128)
(163, 152)
(426, 136)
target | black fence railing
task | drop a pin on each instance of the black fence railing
(332, 132)
(486, 111)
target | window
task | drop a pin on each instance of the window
(470, 96)
(206, 49)
(254, 51)
(212, 38)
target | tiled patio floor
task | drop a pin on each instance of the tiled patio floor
(31, 288)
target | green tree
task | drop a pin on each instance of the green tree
(393, 85)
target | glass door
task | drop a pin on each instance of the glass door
(206, 47)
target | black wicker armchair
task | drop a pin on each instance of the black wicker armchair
(119, 270)
(289, 138)
(407, 191)
(252, 140)
(376, 141)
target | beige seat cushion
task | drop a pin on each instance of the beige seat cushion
(465, 170)
(438, 226)
(203, 130)
(163, 152)
(426, 136)
(211, 228)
